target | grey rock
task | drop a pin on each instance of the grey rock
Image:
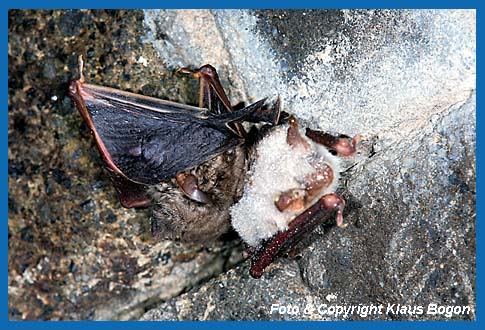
(406, 81)
(411, 242)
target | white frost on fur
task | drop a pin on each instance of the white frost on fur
(277, 168)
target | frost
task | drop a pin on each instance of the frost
(278, 168)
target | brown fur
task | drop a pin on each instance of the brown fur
(177, 217)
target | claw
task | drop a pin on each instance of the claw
(294, 137)
(333, 201)
(80, 64)
(343, 144)
(188, 184)
(185, 70)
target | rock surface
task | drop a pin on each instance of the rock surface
(74, 252)
(404, 79)
(411, 241)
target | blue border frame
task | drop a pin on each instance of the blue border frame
(465, 4)
(244, 4)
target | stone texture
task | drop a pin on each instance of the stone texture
(411, 240)
(406, 81)
(74, 252)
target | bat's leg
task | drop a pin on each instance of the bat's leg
(342, 144)
(212, 95)
(188, 184)
(303, 224)
(131, 194)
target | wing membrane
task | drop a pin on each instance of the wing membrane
(150, 140)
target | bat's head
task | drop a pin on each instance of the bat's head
(291, 177)
(289, 174)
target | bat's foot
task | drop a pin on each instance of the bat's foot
(342, 144)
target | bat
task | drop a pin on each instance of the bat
(151, 146)
(144, 140)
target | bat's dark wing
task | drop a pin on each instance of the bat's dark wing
(149, 140)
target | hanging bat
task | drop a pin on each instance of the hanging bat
(290, 190)
(145, 141)
(191, 164)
